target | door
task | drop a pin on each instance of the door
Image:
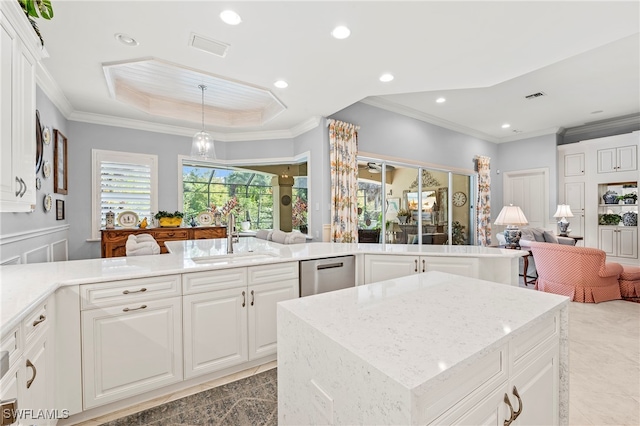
(608, 241)
(628, 242)
(627, 158)
(37, 390)
(7, 173)
(381, 267)
(607, 160)
(574, 197)
(215, 330)
(574, 164)
(262, 301)
(463, 266)
(529, 189)
(128, 350)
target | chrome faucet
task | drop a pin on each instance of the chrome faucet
(232, 234)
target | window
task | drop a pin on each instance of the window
(123, 181)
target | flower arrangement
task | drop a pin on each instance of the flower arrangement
(403, 212)
(299, 213)
(166, 219)
(231, 206)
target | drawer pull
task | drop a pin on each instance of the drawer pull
(39, 320)
(134, 309)
(423, 265)
(517, 413)
(244, 299)
(33, 367)
(252, 297)
(416, 270)
(142, 290)
(506, 401)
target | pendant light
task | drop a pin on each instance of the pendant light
(202, 146)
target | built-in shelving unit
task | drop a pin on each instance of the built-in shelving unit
(618, 238)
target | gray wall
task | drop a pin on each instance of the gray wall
(533, 153)
(11, 223)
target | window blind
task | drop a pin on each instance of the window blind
(125, 186)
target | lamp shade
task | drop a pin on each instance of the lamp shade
(511, 215)
(563, 211)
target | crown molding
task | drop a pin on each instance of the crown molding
(427, 118)
(528, 135)
(53, 91)
(600, 125)
(108, 120)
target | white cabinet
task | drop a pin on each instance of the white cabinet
(574, 164)
(38, 386)
(620, 159)
(230, 314)
(619, 241)
(215, 330)
(131, 343)
(387, 267)
(17, 110)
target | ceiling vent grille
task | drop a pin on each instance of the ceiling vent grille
(214, 47)
(535, 95)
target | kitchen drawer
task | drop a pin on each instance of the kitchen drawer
(528, 341)
(198, 282)
(36, 321)
(273, 273)
(129, 291)
(209, 233)
(11, 344)
(464, 386)
(177, 234)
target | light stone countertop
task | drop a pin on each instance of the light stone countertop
(23, 287)
(387, 325)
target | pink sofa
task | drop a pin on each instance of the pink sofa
(581, 273)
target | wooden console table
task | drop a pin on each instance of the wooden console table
(113, 241)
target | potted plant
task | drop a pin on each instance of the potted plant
(168, 220)
(37, 9)
(630, 198)
(299, 215)
(609, 219)
(403, 215)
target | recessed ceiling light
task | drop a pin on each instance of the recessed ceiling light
(506, 125)
(281, 84)
(125, 39)
(230, 17)
(341, 32)
(385, 78)
(441, 100)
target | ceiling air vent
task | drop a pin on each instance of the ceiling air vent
(214, 47)
(535, 95)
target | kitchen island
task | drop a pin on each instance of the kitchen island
(430, 348)
(187, 317)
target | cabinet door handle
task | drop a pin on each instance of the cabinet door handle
(506, 401)
(24, 187)
(134, 309)
(416, 270)
(39, 320)
(35, 372)
(252, 297)
(244, 299)
(517, 413)
(19, 183)
(142, 290)
(423, 265)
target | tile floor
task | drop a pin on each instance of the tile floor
(604, 380)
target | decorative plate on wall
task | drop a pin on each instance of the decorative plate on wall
(46, 169)
(128, 219)
(47, 203)
(205, 219)
(46, 135)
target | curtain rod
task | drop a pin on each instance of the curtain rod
(331, 120)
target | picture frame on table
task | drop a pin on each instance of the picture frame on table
(60, 163)
(59, 209)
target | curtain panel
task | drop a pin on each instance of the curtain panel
(483, 205)
(343, 152)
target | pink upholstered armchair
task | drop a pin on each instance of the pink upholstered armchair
(581, 273)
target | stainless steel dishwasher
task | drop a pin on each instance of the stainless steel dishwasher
(322, 275)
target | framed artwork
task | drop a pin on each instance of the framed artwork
(59, 209)
(393, 205)
(59, 163)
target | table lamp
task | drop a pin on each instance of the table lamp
(564, 212)
(512, 217)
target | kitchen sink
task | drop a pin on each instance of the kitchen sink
(233, 258)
